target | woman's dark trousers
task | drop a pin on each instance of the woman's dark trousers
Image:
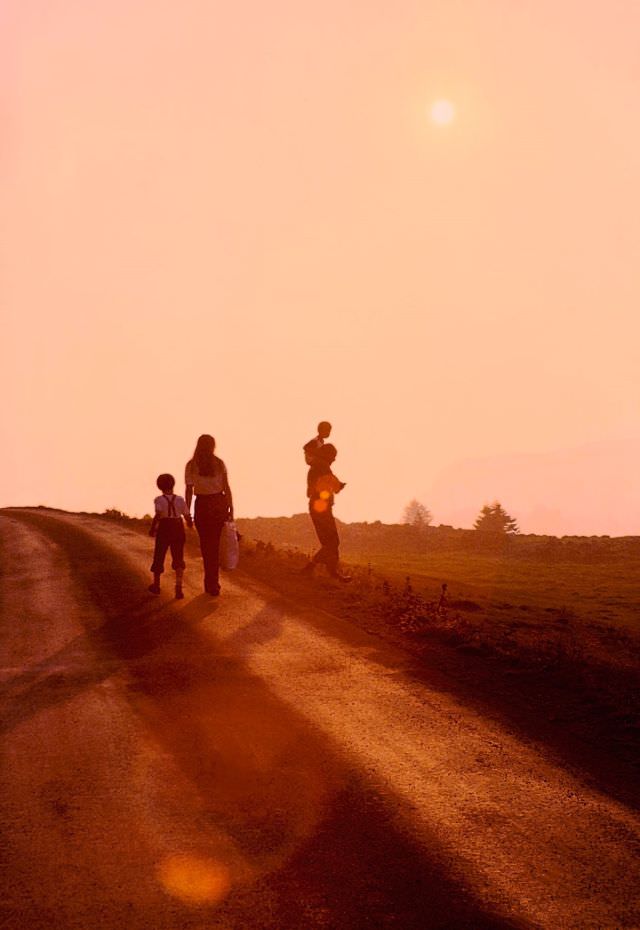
(211, 513)
(327, 533)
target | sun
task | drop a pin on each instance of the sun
(442, 112)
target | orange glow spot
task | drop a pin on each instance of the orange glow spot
(320, 506)
(325, 495)
(195, 880)
(442, 112)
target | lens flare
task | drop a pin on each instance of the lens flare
(320, 506)
(195, 880)
(442, 112)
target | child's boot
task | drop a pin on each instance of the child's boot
(155, 587)
(179, 593)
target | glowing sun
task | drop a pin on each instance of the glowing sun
(442, 112)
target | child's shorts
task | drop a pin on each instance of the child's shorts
(170, 535)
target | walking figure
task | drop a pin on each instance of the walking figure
(206, 476)
(322, 485)
(168, 529)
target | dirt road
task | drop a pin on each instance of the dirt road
(239, 763)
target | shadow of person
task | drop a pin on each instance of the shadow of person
(76, 667)
(263, 627)
(198, 609)
(136, 631)
(55, 687)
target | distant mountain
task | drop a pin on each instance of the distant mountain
(589, 490)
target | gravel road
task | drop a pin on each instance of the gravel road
(245, 763)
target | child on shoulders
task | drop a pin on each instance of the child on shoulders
(312, 447)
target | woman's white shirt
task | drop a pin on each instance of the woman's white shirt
(206, 484)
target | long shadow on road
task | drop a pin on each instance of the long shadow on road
(306, 839)
(518, 700)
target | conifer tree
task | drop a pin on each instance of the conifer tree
(493, 518)
(416, 514)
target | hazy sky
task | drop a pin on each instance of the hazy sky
(239, 219)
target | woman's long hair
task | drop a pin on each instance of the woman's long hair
(203, 457)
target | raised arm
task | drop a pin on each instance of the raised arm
(337, 485)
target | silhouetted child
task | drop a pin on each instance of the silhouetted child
(322, 485)
(168, 528)
(312, 447)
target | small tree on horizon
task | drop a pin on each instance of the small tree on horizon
(493, 518)
(416, 514)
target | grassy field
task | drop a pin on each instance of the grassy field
(596, 579)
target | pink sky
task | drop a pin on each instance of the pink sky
(238, 219)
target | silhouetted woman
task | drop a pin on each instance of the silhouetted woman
(206, 476)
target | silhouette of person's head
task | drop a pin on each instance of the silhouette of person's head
(327, 453)
(166, 483)
(324, 429)
(204, 455)
(206, 444)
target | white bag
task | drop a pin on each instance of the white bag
(229, 546)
